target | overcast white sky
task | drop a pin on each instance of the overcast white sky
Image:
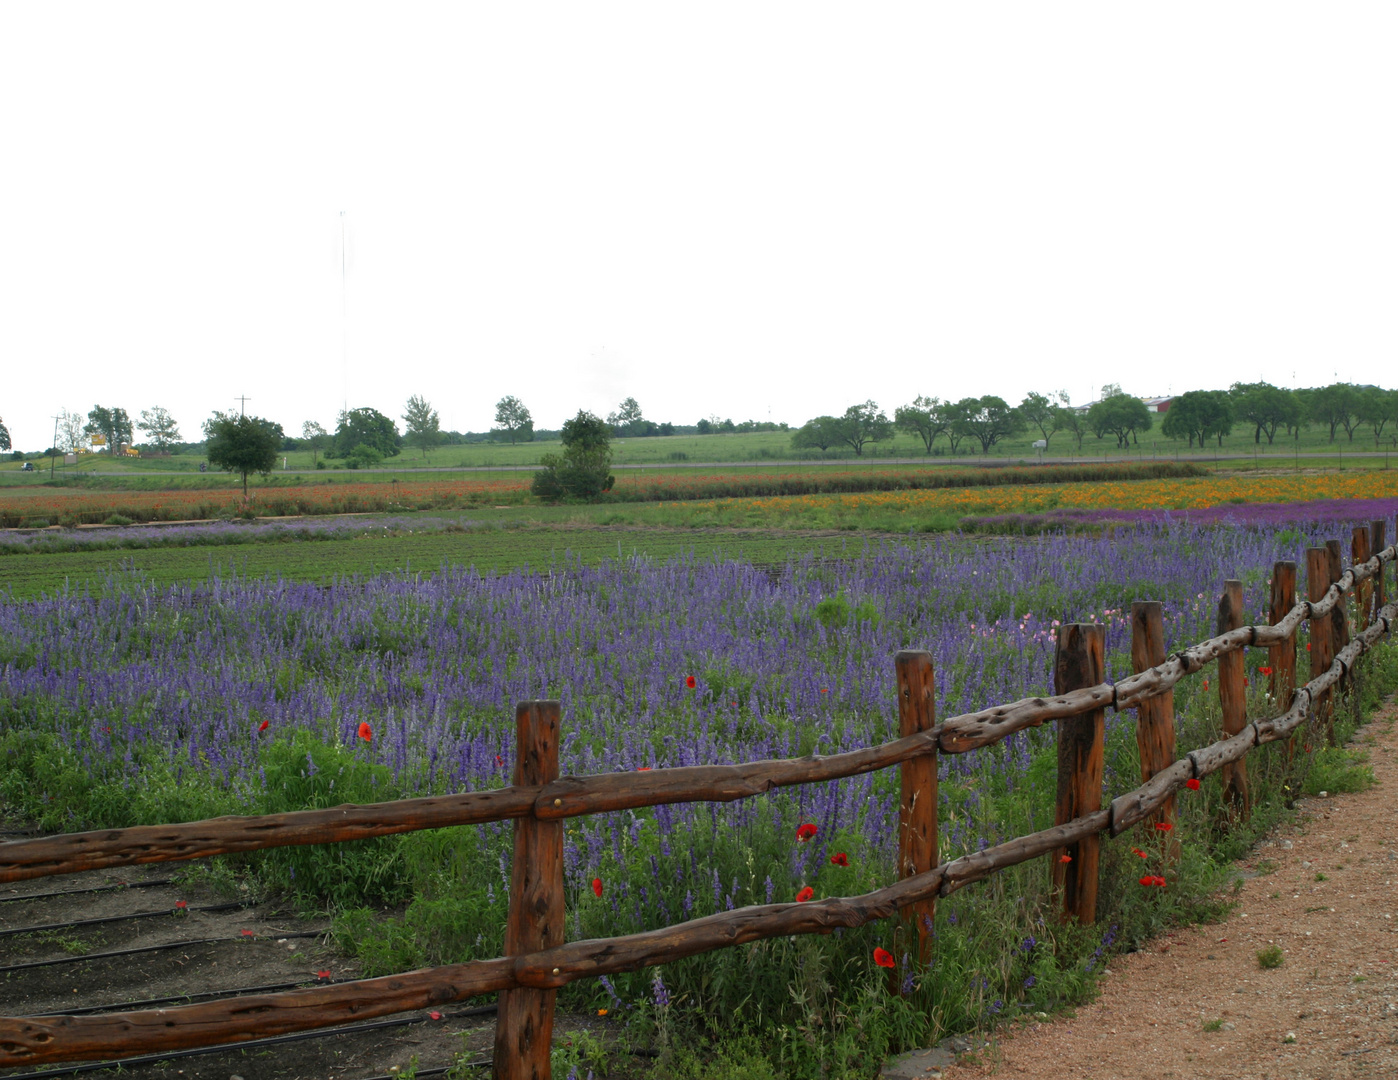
(732, 209)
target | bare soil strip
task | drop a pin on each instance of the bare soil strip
(1198, 1004)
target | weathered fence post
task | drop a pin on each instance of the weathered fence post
(524, 1027)
(1377, 542)
(1155, 716)
(917, 809)
(1364, 590)
(1321, 643)
(1339, 634)
(1232, 695)
(1282, 658)
(1079, 662)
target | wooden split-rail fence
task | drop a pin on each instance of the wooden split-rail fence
(539, 960)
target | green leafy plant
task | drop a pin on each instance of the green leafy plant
(1270, 957)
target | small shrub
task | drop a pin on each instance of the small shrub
(1270, 957)
(833, 610)
(117, 519)
(1213, 1025)
(36, 523)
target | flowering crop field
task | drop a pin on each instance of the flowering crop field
(93, 506)
(901, 511)
(141, 703)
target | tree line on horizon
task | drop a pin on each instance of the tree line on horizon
(1195, 416)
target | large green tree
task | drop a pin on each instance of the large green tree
(161, 430)
(1377, 408)
(1044, 413)
(1336, 406)
(365, 427)
(584, 469)
(1266, 407)
(4, 435)
(1199, 414)
(315, 436)
(424, 429)
(112, 424)
(863, 424)
(988, 420)
(926, 417)
(1121, 415)
(242, 444)
(513, 419)
(819, 434)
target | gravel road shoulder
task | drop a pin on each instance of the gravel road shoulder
(1197, 1004)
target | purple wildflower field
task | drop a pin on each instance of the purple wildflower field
(137, 702)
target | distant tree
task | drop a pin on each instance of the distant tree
(819, 434)
(583, 470)
(314, 436)
(161, 430)
(1119, 414)
(1264, 406)
(4, 435)
(704, 427)
(112, 424)
(1377, 408)
(627, 420)
(1335, 406)
(988, 420)
(1043, 413)
(424, 429)
(1199, 414)
(365, 427)
(242, 444)
(864, 424)
(513, 419)
(1073, 422)
(70, 430)
(926, 417)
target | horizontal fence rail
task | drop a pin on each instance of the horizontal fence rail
(571, 796)
(536, 806)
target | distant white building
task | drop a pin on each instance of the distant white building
(1154, 404)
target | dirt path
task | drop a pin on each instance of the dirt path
(1197, 1003)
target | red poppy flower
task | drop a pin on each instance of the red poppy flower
(1065, 858)
(1264, 671)
(1245, 682)
(1138, 851)
(1192, 783)
(1147, 881)
(1164, 826)
(1206, 684)
(883, 958)
(597, 887)
(805, 832)
(1308, 646)
(839, 859)
(643, 768)
(499, 761)
(805, 894)
(690, 681)
(247, 933)
(435, 1015)
(323, 975)
(181, 905)
(366, 732)
(825, 689)
(1160, 881)
(263, 726)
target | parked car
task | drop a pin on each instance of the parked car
(28, 466)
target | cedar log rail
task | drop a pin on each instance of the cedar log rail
(538, 961)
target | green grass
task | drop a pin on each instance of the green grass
(1270, 957)
(485, 549)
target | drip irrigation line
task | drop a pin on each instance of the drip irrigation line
(146, 949)
(256, 1044)
(83, 892)
(121, 918)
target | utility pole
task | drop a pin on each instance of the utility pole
(242, 403)
(53, 449)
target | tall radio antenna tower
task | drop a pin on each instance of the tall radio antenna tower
(344, 313)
